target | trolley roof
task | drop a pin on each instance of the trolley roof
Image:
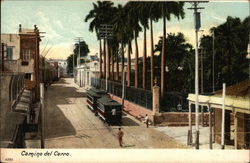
(106, 100)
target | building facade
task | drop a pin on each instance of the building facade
(62, 66)
(85, 72)
(21, 54)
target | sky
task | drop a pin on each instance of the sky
(63, 21)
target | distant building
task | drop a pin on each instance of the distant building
(62, 66)
(85, 72)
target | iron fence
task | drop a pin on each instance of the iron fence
(135, 95)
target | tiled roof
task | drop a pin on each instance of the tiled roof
(240, 89)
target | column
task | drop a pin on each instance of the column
(190, 141)
(156, 101)
(235, 130)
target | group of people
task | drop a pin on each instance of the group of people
(120, 133)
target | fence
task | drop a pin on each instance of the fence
(136, 95)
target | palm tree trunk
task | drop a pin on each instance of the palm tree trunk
(122, 64)
(100, 58)
(117, 64)
(108, 61)
(128, 63)
(144, 60)
(104, 58)
(163, 58)
(136, 63)
(152, 55)
(113, 63)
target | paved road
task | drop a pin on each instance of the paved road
(70, 124)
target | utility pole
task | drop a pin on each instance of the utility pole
(213, 61)
(78, 40)
(42, 115)
(73, 65)
(197, 27)
(223, 117)
(105, 32)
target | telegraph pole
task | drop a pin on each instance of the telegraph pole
(213, 61)
(78, 40)
(105, 32)
(197, 27)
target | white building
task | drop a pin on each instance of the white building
(85, 72)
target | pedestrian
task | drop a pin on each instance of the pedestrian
(146, 120)
(120, 135)
(32, 115)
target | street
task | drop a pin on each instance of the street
(70, 124)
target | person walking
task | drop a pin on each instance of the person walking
(146, 120)
(120, 135)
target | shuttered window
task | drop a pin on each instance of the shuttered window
(26, 54)
(9, 53)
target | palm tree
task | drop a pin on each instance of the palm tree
(134, 25)
(101, 13)
(167, 9)
(154, 15)
(143, 18)
(100, 45)
(123, 34)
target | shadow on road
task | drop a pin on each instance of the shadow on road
(56, 123)
(61, 81)
(126, 121)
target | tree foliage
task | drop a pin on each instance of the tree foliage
(84, 50)
(230, 49)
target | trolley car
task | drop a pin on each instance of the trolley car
(109, 110)
(92, 95)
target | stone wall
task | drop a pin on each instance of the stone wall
(178, 119)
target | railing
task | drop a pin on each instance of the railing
(135, 95)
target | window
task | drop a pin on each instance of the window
(27, 76)
(9, 53)
(26, 54)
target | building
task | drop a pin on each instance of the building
(85, 72)
(237, 114)
(21, 54)
(62, 66)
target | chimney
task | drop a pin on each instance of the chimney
(35, 28)
(20, 28)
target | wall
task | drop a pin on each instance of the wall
(178, 119)
(243, 131)
(12, 40)
(217, 126)
(133, 109)
(164, 119)
(4, 96)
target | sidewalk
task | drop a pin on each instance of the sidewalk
(180, 134)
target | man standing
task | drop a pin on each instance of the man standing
(120, 135)
(146, 120)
